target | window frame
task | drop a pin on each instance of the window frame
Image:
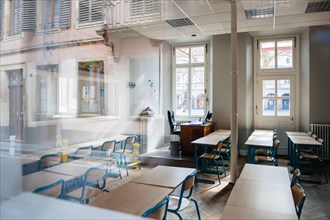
(190, 66)
(277, 70)
(44, 11)
(89, 23)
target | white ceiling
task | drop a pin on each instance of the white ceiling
(213, 17)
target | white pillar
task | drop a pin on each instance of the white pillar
(234, 75)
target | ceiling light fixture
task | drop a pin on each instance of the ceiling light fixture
(259, 13)
(318, 6)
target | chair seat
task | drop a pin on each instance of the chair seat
(209, 156)
(264, 158)
(308, 156)
(263, 151)
(122, 151)
(174, 202)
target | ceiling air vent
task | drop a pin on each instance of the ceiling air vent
(180, 22)
(318, 6)
(259, 13)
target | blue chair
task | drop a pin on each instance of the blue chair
(93, 183)
(178, 203)
(299, 197)
(81, 152)
(49, 160)
(158, 211)
(53, 190)
(128, 148)
(213, 159)
(108, 149)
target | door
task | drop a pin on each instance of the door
(275, 106)
(16, 113)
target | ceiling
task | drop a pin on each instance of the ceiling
(213, 17)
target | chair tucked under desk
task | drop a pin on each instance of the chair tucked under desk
(55, 189)
(159, 211)
(108, 149)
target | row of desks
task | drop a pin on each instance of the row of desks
(258, 139)
(261, 192)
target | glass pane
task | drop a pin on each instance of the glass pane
(283, 88)
(283, 107)
(268, 107)
(197, 55)
(267, 55)
(182, 91)
(284, 54)
(268, 88)
(182, 55)
(197, 91)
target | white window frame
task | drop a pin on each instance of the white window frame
(206, 85)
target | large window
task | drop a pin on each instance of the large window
(276, 54)
(91, 88)
(47, 77)
(190, 73)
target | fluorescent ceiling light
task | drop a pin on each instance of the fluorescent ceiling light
(259, 13)
(318, 6)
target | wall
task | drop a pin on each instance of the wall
(304, 81)
(319, 45)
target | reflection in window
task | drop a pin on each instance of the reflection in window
(277, 54)
(47, 76)
(50, 14)
(91, 87)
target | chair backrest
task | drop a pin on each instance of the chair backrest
(158, 211)
(295, 176)
(276, 146)
(314, 136)
(53, 190)
(170, 121)
(84, 151)
(50, 160)
(173, 118)
(129, 142)
(94, 177)
(299, 197)
(309, 133)
(108, 147)
(320, 140)
(187, 186)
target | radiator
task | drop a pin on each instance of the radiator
(323, 131)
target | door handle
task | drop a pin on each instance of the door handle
(291, 119)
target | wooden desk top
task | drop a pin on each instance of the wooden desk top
(210, 140)
(262, 196)
(33, 206)
(296, 133)
(235, 212)
(259, 141)
(263, 132)
(262, 173)
(132, 198)
(75, 168)
(164, 176)
(222, 131)
(41, 178)
(197, 123)
(304, 141)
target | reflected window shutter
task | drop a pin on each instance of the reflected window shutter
(83, 11)
(65, 13)
(29, 15)
(97, 10)
(2, 7)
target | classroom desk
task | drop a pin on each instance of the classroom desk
(221, 131)
(33, 206)
(258, 139)
(76, 168)
(235, 212)
(297, 143)
(164, 176)
(132, 198)
(268, 174)
(190, 132)
(209, 141)
(42, 178)
(263, 196)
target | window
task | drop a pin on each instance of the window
(90, 11)
(15, 18)
(190, 73)
(49, 14)
(143, 8)
(276, 97)
(276, 54)
(68, 95)
(91, 88)
(47, 77)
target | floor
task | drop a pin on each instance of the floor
(212, 198)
